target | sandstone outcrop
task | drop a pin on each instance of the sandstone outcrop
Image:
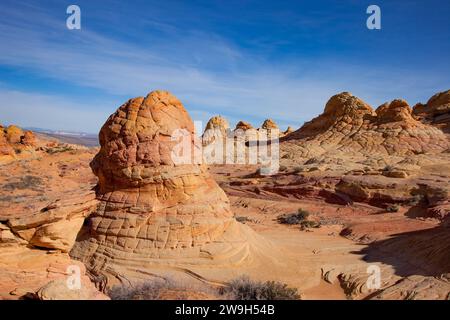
(152, 211)
(13, 134)
(14, 141)
(28, 138)
(53, 227)
(269, 124)
(436, 111)
(217, 127)
(288, 131)
(242, 125)
(349, 125)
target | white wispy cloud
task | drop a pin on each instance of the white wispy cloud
(53, 112)
(210, 74)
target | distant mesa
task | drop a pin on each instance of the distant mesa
(351, 125)
(152, 212)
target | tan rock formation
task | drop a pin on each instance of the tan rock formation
(5, 146)
(288, 131)
(59, 290)
(217, 122)
(242, 125)
(57, 225)
(153, 212)
(350, 125)
(436, 111)
(269, 124)
(28, 139)
(13, 143)
(14, 134)
(217, 127)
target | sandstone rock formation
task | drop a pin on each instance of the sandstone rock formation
(5, 146)
(153, 212)
(350, 125)
(242, 125)
(28, 138)
(217, 122)
(269, 124)
(217, 127)
(13, 134)
(14, 141)
(288, 131)
(53, 227)
(436, 111)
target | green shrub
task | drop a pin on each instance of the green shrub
(242, 219)
(245, 289)
(393, 208)
(309, 224)
(293, 218)
(149, 290)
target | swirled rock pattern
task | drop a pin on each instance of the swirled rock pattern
(153, 211)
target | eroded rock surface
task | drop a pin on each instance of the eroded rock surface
(350, 125)
(153, 212)
(436, 111)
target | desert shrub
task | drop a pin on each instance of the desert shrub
(293, 218)
(392, 208)
(388, 168)
(309, 224)
(149, 290)
(242, 219)
(415, 200)
(59, 149)
(25, 182)
(245, 289)
(158, 289)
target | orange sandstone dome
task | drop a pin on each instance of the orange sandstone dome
(151, 210)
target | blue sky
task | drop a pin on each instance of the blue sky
(246, 60)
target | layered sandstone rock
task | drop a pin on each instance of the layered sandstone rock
(436, 111)
(28, 138)
(269, 124)
(152, 211)
(15, 143)
(350, 125)
(5, 146)
(217, 127)
(13, 134)
(288, 131)
(242, 125)
(53, 227)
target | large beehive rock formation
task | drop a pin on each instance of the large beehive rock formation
(350, 125)
(153, 212)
